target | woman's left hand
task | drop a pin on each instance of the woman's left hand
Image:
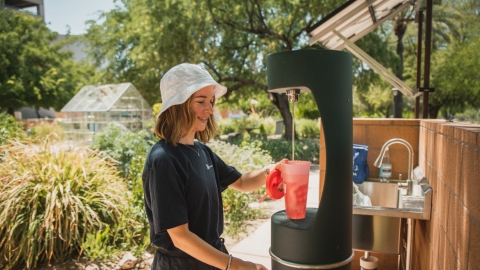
(277, 166)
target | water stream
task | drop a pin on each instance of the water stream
(293, 131)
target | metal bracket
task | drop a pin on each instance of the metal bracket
(377, 67)
(424, 89)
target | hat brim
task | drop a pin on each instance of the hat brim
(218, 91)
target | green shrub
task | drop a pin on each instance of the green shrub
(270, 125)
(51, 198)
(9, 128)
(130, 233)
(307, 128)
(306, 107)
(157, 107)
(264, 125)
(304, 128)
(278, 149)
(130, 150)
(469, 115)
(123, 145)
(262, 129)
(226, 126)
(246, 158)
(304, 149)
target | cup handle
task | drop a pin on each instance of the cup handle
(274, 179)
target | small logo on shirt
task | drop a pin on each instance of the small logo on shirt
(208, 166)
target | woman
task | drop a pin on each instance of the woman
(183, 179)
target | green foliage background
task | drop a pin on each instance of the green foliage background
(33, 70)
(247, 158)
(138, 42)
(128, 150)
(10, 129)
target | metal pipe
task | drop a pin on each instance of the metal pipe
(409, 243)
(428, 45)
(419, 60)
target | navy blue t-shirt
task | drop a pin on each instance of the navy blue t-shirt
(183, 184)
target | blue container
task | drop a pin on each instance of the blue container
(360, 166)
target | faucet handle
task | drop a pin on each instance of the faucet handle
(408, 186)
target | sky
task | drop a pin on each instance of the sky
(74, 13)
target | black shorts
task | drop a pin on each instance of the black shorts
(165, 260)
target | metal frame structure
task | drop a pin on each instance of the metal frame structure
(356, 18)
(93, 108)
(26, 4)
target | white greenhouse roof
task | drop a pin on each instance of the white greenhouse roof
(98, 98)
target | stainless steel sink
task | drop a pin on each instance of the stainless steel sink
(380, 193)
(387, 200)
(378, 227)
(387, 225)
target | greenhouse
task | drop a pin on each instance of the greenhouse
(94, 107)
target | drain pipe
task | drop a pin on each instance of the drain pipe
(408, 260)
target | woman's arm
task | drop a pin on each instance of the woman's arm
(252, 180)
(193, 245)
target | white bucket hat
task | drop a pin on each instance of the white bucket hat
(181, 81)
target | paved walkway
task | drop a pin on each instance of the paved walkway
(255, 247)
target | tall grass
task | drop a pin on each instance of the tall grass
(45, 128)
(50, 199)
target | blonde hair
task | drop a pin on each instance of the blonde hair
(178, 120)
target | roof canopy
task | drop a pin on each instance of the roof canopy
(102, 98)
(353, 20)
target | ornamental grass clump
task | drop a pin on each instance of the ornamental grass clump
(50, 199)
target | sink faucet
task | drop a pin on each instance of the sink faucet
(378, 162)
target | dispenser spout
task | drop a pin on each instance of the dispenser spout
(293, 95)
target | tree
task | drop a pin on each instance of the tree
(456, 67)
(455, 24)
(454, 62)
(400, 22)
(140, 41)
(33, 72)
(457, 78)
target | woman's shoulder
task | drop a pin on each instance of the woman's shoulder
(161, 152)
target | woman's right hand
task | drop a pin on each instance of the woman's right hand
(260, 267)
(239, 264)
